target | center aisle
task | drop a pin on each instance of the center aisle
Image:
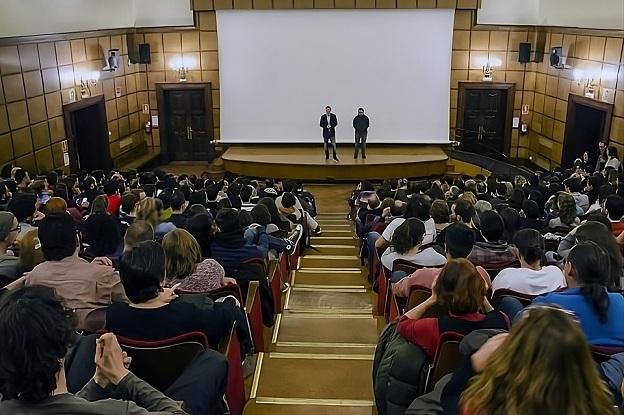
(322, 347)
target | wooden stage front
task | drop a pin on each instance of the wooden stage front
(307, 162)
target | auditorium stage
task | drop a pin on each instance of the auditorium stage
(307, 162)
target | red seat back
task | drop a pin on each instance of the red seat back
(446, 359)
(525, 299)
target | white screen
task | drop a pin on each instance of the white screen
(279, 69)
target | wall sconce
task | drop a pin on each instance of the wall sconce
(589, 85)
(87, 84)
(182, 70)
(488, 72)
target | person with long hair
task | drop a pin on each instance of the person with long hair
(149, 210)
(531, 278)
(599, 312)
(597, 232)
(543, 366)
(406, 244)
(567, 214)
(184, 265)
(460, 290)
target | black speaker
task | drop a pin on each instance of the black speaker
(144, 53)
(556, 57)
(524, 53)
(132, 47)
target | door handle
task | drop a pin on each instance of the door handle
(189, 137)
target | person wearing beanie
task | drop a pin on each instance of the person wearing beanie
(10, 268)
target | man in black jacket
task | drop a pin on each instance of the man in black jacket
(328, 123)
(360, 124)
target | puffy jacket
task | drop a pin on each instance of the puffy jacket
(397, 370)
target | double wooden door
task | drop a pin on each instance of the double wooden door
(484, 118)
(186, 122)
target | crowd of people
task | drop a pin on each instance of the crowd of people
(142, 248)
(537, 257)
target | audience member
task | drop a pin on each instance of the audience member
(10, 267)
(493, 252)
(599, 312)
(83, 286)
(461, 290)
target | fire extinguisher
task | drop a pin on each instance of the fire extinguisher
(148, 127)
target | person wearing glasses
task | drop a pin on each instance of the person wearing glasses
(10, 268)
(328, 123)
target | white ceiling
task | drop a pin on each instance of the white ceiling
(37, 17)
(589, 14)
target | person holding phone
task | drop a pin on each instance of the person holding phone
(328, 123)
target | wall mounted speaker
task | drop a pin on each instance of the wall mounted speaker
(144, 53)
(556, 57)
(524, 53)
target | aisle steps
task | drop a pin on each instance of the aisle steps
(322, 345)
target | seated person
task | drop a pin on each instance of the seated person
(83, 286)
(139, 231)
(510, 373)
(417, 207)
(598, 311)
(229, 244)
(531, 278)
(614, 209)
(406, 244)
(142, 271)
(567, 214)
(101, 232)
(532, 216)
(459, 242)
(10, 267)
(178, 206)
(32, 365)
(462, 211)
(184, 266)
(287, 207)
(461, 290)
(203, 228)
(260, 219)
(149, 209)
(493, 252)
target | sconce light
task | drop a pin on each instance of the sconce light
(87, 84)
(488, 72)
(182, 70)
(588, 83)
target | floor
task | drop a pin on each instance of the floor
(322, 346)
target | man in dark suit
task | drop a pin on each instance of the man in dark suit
(360, 125)
(328, 123)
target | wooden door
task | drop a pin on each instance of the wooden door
(186, 122)
(484, 119)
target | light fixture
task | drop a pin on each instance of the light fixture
(87, 84)
(588, 83)
(182, 65)
(182, 70)
(488, 72)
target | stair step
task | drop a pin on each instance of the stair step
(330, 301)
(337, 329)
(324, 348)
(337, 232)
(308, 408)
(335, 240)
(330, 261)
(336, 225)
(342, 278)
(334, 378)
(328, 249)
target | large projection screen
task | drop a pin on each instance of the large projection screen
(279, 69)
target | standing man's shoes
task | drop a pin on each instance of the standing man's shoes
(363, 156)
(336, 158)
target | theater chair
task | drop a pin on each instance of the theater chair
(235, 389)
(391, 308)
(95, 322)
(252, 307)
(445, 361)
(602, 353)
(148, 357)
(525, 299)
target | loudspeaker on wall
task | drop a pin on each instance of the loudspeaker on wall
(144, 53)
(524, 53)
(556, 57)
